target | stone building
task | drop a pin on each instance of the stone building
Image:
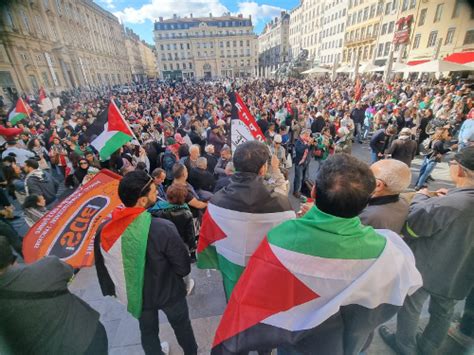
(273, 45)
(362, 30)
(60, 44)
(332, 32)
(206, 47)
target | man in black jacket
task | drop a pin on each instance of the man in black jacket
(166, 263)
(358, 116)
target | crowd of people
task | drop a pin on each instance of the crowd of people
(180, 162)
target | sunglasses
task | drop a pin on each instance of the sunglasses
(150, 181)
(83, 163)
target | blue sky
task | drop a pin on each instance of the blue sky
(139, 14)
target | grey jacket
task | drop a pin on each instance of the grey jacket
(440, 231)
(385, 212)
(39, 182)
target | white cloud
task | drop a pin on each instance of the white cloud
(109, 4)
(259, 13)
(167, 8)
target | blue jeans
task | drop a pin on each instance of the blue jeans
(358, 127)
(300, 175)
(373, 156)
(441, 310)
(178, 316)
(426, 169)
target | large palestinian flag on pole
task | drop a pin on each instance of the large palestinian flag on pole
(243, 126)
(109, 132)
(19, 112)
(236, 220)
(123, 247)
(304, 271)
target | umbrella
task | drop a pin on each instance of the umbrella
(345, 69)
(395, 66)
(436, 66)
(316, 70)
(367, 67)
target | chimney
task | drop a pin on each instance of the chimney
(175, 16)
(161, 19)
(191, 15)
(210, 14)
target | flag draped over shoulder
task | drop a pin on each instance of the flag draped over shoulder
(244, 127)
(123, 247)
(19, 112)
(109, 132)
(232, 230)
(304, 271)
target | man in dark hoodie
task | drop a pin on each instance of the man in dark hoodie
(39, 182)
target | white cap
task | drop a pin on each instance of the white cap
(277, 138)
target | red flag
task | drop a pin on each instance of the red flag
(288, 108)
(358, 89)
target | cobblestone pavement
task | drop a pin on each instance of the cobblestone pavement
(207, 302)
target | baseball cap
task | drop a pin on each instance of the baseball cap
(277, 138)
(466, 157)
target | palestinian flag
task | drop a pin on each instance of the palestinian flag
(123, 243)
(236, 220)
(109, 132)
(357, 89)
(19, 112)
(304, 271)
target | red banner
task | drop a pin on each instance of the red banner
(68, 230)
(244, 127)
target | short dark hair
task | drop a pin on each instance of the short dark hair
(178, 170)
(32, 163)
(6, 254)
(134, 185)
(343, 186)
(249, 157)
(30, 201)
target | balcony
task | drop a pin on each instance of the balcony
(365, 39)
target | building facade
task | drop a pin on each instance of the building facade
(362, 30)
(441, 28)
(332, 32)
(206, 47)
(295, 28)
(273, 45)
(60, 45)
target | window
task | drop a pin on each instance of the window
(165, 67)
(376, 29)
(190, 65)
(177, 66)
(450, 36)
(457, 9)
(372, 11)
(25, 21)
(45, 78)
(384, 29)
(416, 42)
(366, 13)
(388, 7)
(432, 39)
(387, 49)
(391, 25)
(469, 39)
(405, 5)
(422, 17)
(162, 47)
(412, 4)
(439, 12)
(58, 5)
(9, 17)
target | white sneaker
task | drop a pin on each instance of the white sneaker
(165, 347)
(189, 286)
